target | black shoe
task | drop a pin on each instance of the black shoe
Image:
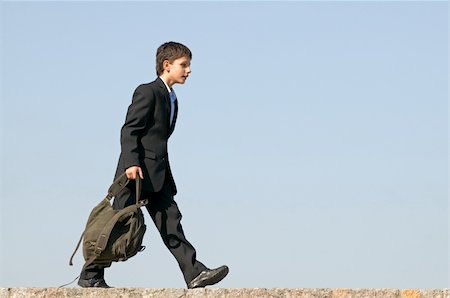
(93, 283)
(208, 277)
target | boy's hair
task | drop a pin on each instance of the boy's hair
(170, 51)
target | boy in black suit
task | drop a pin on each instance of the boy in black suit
(148, 125)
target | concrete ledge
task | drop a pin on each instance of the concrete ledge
(224, 293)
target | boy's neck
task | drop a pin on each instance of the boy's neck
(166, 78)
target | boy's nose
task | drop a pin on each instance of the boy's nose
(188, 70)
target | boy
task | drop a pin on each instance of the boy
(149, 122)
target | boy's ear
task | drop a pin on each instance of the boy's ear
(166, 65)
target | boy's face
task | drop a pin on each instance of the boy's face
(179, 70)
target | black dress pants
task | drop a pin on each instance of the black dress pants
(165, 214)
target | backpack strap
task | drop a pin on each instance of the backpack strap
(117, 186)
(76, 249)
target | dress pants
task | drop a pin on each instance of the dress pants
(165, 214)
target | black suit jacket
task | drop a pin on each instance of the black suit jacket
(145, 134)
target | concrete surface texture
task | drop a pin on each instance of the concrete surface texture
(224, 293)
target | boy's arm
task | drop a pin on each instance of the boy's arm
(135, 122)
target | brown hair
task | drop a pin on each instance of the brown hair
(170, 51)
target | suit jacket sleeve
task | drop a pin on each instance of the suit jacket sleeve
(135, 124)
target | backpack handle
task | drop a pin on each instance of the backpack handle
(120, 183)
(138, 183)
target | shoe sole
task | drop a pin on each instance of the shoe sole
(214, 279)
(85, 284)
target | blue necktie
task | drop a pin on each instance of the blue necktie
(173, 98)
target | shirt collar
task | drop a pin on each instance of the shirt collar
(167, 86)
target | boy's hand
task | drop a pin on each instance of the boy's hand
(133, 171)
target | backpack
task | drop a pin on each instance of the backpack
(113, 235)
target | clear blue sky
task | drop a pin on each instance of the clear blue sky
(311, 148)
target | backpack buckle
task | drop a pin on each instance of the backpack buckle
(98, 251)
(100, 245)
(142, 203)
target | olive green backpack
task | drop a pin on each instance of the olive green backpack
(113, 235)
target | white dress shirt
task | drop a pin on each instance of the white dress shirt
(173, 97)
